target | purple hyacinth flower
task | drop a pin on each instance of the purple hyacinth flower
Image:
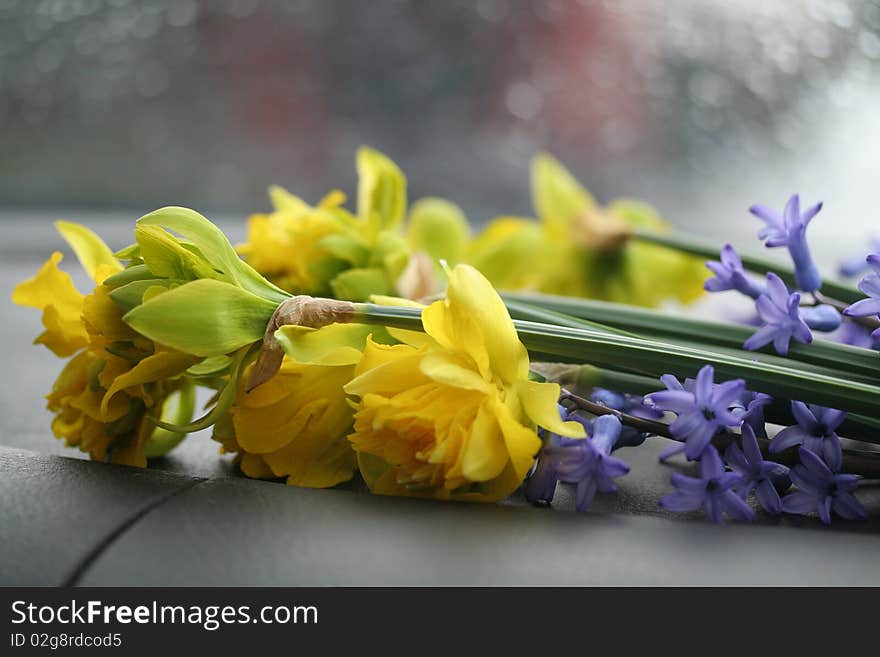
(712, 491)
(790, 229)
(730, 275)
(702, 412)
(588, 463)
(631, 405)
(541, 483)
(870, 285)
(853, 334)
(750, 409)
(766, 478)
(816, 430)
(781, 316)
(822, 317)
(822, 491)
(857, 265)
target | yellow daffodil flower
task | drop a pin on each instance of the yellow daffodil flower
(578, 248)
(328, 251)
(286, 245)
(452, 414)
(101, 398)
(296, 424)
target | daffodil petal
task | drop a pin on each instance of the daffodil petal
(521, 441)
(484, 454)
(336, 344)
(161, 365)
(473, 318)
(382, 368)
(52, 290)
(90, 250)
(540, 403)
(443, 368)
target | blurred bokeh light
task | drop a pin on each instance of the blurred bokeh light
(700, 106)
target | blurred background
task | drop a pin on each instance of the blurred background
(110, 108)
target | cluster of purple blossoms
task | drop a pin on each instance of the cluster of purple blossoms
(704, 409)
(585, 462)
(707, 412)
(783, 315)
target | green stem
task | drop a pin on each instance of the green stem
(177, 410)
(687, 330)
(696, 246)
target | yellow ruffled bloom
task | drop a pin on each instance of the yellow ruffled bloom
(100, 399)
(296, 424)
(327, 250)
(286, 245)
(451, 413)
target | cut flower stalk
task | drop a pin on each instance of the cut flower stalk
(690, 330)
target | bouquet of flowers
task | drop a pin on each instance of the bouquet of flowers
(393, 344)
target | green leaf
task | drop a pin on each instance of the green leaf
(90, 250)
(439, 228)
(359, 284)
(213, 244)
(381, 189)
(557, 195)
(203, 318)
